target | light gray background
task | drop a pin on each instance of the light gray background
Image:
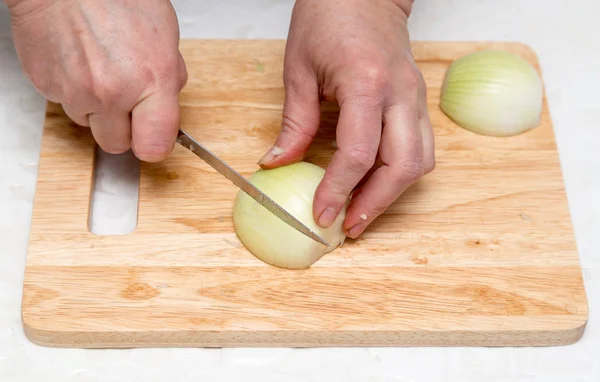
(565, 35)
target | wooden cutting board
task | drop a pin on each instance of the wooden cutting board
(479, 253)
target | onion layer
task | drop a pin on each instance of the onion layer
(493, 93)
(272, 240)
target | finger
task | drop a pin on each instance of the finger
(76, 114)
(183, 74)
(301, 118)
(426, 128)
(403, 158)
(429, 160)
(358, 136)
(155, 123)
(112, 131)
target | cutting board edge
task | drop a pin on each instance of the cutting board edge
(303, 339)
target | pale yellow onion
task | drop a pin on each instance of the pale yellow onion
(493, 93)
(271, 239)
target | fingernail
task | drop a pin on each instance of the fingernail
(327, 217)
(270, 155)
(356, 230)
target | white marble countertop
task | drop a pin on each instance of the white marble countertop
(565, 36)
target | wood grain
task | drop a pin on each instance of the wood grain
(479, 253)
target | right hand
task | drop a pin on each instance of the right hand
(114, 65)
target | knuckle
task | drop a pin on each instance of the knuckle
(70, 96)
(429, 165)
(291, 77)
(377, 208)
(373, 76)
(88, 81)
(39, 81)
(47, 89)
(293, 127)
(360, 158)
(106, 87)
(409, 171)
(183, 76)
(169, 70)
(299, 84)
(93, 88)
(333, 193)
(166, 67)
(410, 77)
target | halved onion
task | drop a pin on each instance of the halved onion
(272, 240)
(493, 92)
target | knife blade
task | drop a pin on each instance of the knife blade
(224, 169)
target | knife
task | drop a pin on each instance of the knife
(224, 169)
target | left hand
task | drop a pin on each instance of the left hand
(356, 52)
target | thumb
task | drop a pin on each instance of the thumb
(155, 123)
(301, 118)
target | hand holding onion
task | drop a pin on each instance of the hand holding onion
(113, 65)
(355, 52)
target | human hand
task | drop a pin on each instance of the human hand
(114, 66)
(356, 52)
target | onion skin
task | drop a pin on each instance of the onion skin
(494, 93)
(272, 240)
